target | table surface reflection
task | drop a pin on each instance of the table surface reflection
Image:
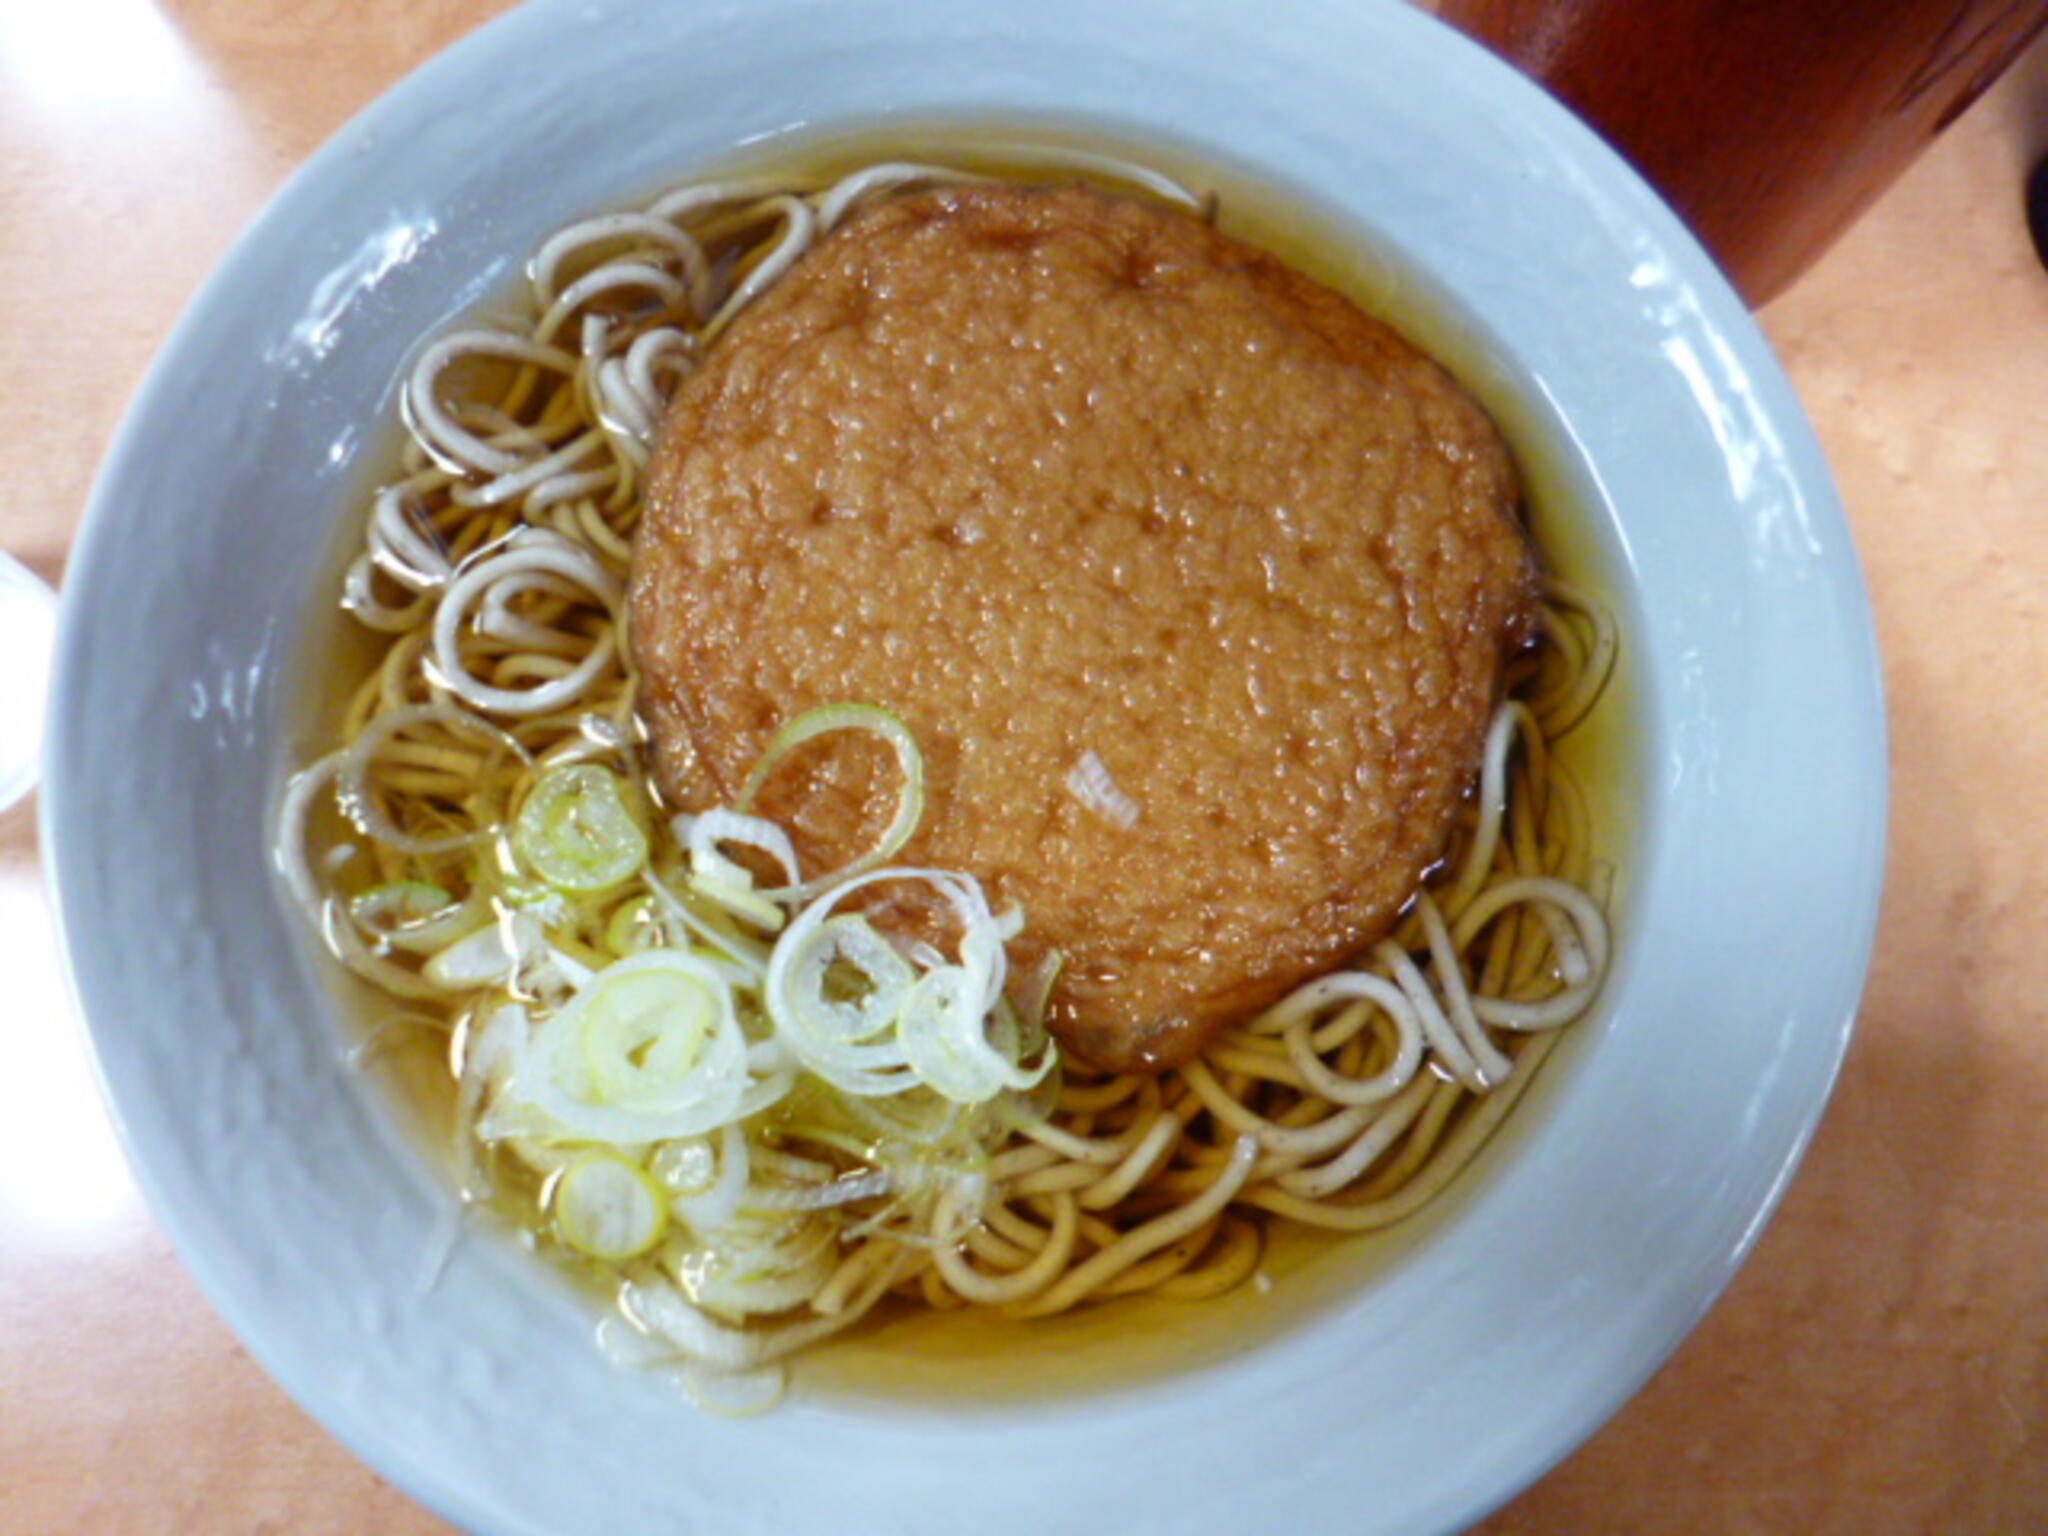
(1882, 1362)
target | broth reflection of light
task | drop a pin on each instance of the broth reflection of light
(61, 1167)
(352, 283)
(82, 54)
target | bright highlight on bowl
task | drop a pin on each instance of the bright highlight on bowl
(860, 856)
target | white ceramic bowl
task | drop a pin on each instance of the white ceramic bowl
(1487, 1349)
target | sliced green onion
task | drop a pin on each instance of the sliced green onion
(649, 1049)
(649, 1035)
(415, 916)
(846, 955)
(577, 832)
(632, 927)
(484, 1049)
(1034, 992)
(492, 955)
(715, 1209)
(393, 913)
(702, 835)
(850, 717)
(682, 924)
(849, 1042)
(944, 1028)
(919, 1119)
(733, 1394)
(726, 883)
(846, 1042)
(937, 1030)
(685, 1167)
(759, 1264)
(742, 901)
(1020, 1034)
(608, 1208)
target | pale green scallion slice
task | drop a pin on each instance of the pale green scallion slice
(577, 832)
(650, 1048)
(850, 717)
(609, 1209)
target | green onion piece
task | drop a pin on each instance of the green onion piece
(415, 916)
(685, 1167)
(577, 832)
(650, 1048)
(941, 1020)
(490, 956)
(608, 1208)
(850, 717)
(742, 901)
(632, 927)
(846, 982)
(944, 1029)
(647, 1035)
(385, 909)
(702, 834)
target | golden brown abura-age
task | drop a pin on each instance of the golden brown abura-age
(1193, 581)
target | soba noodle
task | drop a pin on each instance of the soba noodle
(493, 568)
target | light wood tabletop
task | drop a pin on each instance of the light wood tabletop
(1880, 1365)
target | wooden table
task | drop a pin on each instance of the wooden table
(1882, 1362)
